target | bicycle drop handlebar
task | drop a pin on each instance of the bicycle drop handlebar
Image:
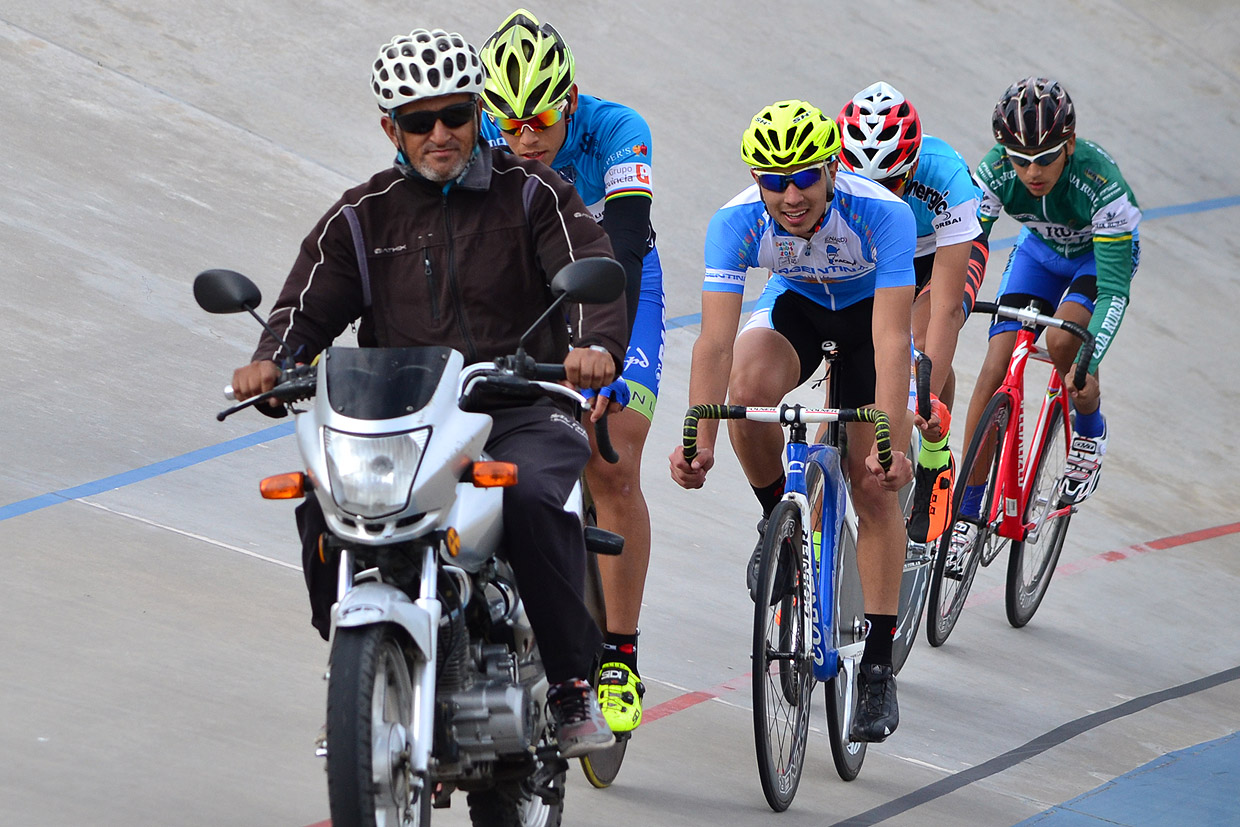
(923, 386)
(790, 415)
(1029, 317)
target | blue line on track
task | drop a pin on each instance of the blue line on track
(275, 432)
(146, 472)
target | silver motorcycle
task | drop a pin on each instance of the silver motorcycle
(434, 682)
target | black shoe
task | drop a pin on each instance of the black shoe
(783, 571)
(878, 715)
(755, 560)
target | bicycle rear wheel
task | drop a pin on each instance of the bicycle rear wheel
(951, 579)
(782, 663)
(848, 627)
(1032, 562)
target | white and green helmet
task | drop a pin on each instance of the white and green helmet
(529, 67)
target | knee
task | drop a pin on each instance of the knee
(1063, 347)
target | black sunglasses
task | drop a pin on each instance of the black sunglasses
(422, 122)
(804, 179)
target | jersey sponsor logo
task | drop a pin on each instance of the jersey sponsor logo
(386, 251)
(640, 149)
(627, 176)
(934, 200)
(1095, 176)
(785, 251)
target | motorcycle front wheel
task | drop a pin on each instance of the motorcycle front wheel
(369, 711)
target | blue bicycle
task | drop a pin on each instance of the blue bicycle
(809, 619)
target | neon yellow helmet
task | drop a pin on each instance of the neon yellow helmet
(788, 134)
(529, 67)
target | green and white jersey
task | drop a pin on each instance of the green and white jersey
(1091, 209)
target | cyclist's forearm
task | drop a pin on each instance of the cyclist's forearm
(947, 282)
(891, 326)
(708, 382)
(1104, 324)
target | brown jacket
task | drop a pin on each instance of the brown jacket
(467, 266)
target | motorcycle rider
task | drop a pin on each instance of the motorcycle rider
(455, 245)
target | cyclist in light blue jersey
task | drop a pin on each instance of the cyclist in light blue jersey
(604, 150)
(884, 141)
(840, 251)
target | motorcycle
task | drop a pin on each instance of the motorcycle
(434, 681)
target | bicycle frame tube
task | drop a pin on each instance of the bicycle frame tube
(831, 522)
(1055, 397)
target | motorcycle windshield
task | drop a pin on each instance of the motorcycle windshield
(382, 382)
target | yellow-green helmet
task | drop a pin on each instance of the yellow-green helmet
(787, 134)
(529, 67)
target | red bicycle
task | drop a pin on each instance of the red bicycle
(1021, 504)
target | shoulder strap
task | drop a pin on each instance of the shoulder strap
(359, 247)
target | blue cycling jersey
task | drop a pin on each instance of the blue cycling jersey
(943, 196)
(865, 242)
(606, 152)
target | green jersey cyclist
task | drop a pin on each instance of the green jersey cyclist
(840, 251)
(603, 149)
(1075, 256)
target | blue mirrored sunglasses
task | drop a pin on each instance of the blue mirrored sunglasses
(803, 179)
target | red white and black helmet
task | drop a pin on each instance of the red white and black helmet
(1034, 114)
(881, 133)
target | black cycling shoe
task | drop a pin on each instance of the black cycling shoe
(878, 715)
(755, 560)
(783, 572)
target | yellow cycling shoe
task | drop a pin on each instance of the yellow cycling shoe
(620, 696)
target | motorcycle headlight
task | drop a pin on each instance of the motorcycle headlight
(371, 475)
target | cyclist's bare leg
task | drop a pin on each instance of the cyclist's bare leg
(1064, 348)
(621, 507)
(765, 368)
(881, 540)
(994, 368)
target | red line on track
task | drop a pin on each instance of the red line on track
(1114, 556)
(691, 699)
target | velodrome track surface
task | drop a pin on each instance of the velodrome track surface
(158, 664)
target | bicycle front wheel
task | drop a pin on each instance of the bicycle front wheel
(849, 625)
(954, 569)
(782, 663)
(1032, 561)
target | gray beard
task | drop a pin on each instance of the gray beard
(427, 172)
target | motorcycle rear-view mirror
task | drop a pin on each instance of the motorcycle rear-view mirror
(590, 281)
(226, 291)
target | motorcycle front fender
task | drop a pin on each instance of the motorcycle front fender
(369, 603)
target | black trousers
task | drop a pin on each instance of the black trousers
(544, 543)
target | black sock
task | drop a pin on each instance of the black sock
(878, 644)
(768, 496)
(621, 649)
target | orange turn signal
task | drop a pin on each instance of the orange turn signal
(494, 474)
(284, 486)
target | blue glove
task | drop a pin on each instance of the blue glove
(618, 392)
